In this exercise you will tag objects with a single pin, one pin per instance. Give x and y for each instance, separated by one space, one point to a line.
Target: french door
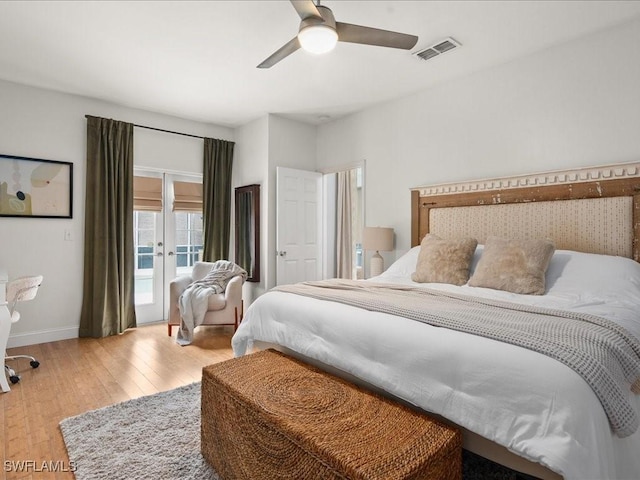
167 237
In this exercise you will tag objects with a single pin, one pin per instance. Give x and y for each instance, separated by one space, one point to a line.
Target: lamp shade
377 238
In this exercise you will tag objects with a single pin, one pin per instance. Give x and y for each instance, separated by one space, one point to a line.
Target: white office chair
20 290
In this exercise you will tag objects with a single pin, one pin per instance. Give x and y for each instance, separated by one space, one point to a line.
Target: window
188 240
144 228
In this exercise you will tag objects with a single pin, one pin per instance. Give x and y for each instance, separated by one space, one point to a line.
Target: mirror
247 253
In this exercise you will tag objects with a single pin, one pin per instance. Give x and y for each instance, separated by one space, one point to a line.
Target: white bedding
533 405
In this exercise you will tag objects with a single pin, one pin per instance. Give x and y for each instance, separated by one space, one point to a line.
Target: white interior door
299 225
167 243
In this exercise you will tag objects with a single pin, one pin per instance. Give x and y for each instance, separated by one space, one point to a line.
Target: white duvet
535 406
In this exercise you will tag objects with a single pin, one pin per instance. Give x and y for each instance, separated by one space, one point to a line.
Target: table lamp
378 239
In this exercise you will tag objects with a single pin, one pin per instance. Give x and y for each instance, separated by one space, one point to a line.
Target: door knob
159 244
170 254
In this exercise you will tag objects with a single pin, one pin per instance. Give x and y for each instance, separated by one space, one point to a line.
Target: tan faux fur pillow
444 261
516 266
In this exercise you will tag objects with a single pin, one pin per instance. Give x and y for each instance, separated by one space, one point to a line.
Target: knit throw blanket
194 301
605 354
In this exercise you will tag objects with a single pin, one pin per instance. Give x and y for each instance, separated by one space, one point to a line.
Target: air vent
439 48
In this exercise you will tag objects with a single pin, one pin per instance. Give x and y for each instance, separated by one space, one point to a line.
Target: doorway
344 222
319 222
167 237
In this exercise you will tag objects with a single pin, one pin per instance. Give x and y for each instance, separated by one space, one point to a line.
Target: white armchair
224 308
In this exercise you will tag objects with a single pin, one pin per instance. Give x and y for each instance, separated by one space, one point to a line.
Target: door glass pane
188 240
144 255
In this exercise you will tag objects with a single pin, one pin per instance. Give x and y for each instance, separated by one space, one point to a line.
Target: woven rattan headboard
594 210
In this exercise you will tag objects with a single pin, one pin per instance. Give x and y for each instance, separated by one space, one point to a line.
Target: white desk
5 326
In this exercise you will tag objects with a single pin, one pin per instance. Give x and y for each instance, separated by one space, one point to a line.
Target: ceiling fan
319 32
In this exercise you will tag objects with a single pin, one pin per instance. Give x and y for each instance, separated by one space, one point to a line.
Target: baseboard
42 336
52 335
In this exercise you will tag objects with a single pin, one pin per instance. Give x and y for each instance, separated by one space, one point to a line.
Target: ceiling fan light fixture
318 33
318 39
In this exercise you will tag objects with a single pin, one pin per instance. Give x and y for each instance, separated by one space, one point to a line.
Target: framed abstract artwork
32 187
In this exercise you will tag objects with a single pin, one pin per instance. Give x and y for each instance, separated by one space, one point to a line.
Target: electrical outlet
67 235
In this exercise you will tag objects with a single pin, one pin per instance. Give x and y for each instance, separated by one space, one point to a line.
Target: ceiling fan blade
306 8
283 52
374 36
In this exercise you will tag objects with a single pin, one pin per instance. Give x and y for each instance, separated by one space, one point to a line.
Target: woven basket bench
268 416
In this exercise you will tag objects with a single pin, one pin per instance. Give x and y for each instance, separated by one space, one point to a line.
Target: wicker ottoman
267 416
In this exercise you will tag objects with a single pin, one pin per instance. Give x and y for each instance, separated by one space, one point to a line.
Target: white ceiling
197 60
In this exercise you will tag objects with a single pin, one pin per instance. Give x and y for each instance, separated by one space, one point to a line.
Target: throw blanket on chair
194 301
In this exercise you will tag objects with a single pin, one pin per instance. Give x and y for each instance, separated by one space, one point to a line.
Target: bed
519 407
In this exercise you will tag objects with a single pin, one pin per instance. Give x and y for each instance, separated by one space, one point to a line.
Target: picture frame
35 188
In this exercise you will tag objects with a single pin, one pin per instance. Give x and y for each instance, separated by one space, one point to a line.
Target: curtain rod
162 130
168 131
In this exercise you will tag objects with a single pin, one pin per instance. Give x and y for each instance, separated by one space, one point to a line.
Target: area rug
158 437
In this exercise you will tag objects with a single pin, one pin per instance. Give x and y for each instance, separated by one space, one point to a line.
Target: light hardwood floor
79 375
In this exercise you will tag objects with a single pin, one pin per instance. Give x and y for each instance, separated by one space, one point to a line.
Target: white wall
262 145
251 165
44 124
574 105
292 144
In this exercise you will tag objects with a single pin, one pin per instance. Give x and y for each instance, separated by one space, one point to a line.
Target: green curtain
108 288
216 191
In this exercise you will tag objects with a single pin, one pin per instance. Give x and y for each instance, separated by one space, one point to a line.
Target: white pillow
590 272
405 265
